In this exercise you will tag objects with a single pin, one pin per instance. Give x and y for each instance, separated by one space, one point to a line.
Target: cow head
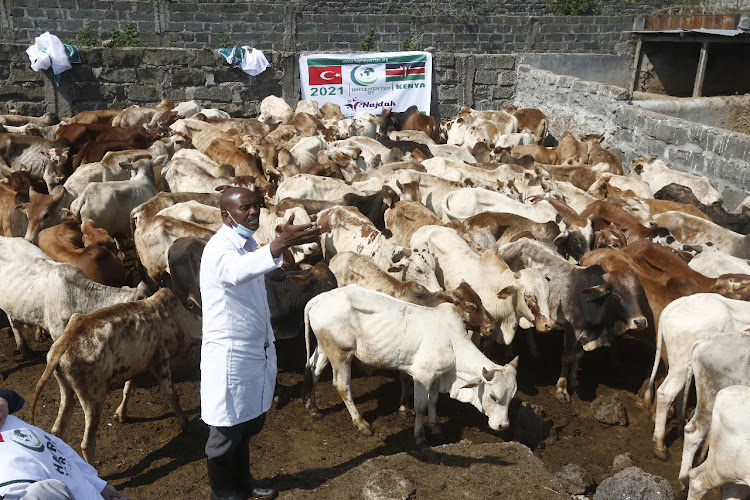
469 306
419 266
43 211
610 237
54 170
533 293
93 235
733 286
495 389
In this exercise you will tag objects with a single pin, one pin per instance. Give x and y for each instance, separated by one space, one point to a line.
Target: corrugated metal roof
699 31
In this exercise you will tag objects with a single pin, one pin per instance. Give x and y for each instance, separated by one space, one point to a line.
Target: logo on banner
27 439
364 75
400 72
324 75
353 104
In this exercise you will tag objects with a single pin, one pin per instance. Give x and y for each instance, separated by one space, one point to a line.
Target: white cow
190 171
682 322
35 290
508 297
430 344
346 229
109 203
657 175
728 461
715 263
716 363
314 187
694 231
466 202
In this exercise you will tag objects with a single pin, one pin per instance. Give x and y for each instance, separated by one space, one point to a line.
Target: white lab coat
29 454
238 357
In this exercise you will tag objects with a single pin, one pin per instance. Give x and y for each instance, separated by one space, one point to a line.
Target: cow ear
22 207
299 278
473 383
396 269
514 363
68 214
506 292
596 292
320 270
487 375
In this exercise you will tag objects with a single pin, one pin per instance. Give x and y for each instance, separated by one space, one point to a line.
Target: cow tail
307 381
688 383
648 395
59 348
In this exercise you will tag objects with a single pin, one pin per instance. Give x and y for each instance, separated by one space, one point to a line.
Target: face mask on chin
240 229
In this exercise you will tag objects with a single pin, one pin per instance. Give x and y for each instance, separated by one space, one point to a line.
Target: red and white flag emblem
324 75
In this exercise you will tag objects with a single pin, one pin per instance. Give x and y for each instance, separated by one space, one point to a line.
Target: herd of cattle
439 237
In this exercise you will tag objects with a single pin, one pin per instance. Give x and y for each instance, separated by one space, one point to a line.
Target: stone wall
587 107
291 27
116 78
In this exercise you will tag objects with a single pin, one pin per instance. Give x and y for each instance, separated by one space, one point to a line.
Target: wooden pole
701 73
636 69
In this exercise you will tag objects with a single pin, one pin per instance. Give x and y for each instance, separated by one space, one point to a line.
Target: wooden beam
700 74
636 69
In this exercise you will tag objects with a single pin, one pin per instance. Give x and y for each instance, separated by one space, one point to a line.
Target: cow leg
315 366
572 352
432 399
26 351
121 412
161 371
39 334
668 391
531 343
695 433
342 380
404 399
420 406
702 479
92 411
67 405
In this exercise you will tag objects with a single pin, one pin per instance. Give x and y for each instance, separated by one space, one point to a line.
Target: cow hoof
121 419
563 397
437 435
422 444
662 454
366 430
28 353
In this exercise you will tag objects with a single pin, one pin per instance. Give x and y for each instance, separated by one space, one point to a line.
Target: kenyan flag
400 72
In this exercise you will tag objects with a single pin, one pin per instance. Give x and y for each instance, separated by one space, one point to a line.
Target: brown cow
104 349
532 119
43 211
603 159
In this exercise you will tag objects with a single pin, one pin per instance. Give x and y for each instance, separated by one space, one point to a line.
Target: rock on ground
462 470
622 462
574 479
634 484
609 410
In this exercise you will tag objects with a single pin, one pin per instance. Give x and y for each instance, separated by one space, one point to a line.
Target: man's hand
110 493
3 411
292 235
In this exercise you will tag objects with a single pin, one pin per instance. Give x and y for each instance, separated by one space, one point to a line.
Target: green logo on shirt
27 439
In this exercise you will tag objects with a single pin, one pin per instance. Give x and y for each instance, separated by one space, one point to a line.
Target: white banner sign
368 81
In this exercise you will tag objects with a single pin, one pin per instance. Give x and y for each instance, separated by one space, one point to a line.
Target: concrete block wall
116 78
584 107
319 26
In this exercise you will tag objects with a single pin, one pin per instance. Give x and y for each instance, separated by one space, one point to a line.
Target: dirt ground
149 458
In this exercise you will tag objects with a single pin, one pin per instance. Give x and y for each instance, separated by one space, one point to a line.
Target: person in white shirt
238 357
35 465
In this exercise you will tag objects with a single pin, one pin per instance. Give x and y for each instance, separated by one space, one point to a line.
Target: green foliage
129 38
368 42
451 48
86 37
573 7
407 44
224 41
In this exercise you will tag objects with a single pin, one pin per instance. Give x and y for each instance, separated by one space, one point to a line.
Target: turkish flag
324 75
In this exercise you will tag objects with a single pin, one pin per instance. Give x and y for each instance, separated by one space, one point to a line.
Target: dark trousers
224 442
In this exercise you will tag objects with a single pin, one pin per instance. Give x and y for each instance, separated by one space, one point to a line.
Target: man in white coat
238 357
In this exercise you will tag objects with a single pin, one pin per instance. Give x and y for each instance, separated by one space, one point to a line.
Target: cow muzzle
638 323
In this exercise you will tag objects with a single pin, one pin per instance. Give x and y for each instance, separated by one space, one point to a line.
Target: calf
46 160
104 349
403 219
44 210
64 243
184 260
658 175
684 321
290 291
532 119
602 160
374 206
727 464
430 344
716 363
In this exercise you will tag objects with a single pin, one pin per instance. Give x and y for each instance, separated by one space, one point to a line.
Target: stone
388 484
609 410
622 462
634 484
574 479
